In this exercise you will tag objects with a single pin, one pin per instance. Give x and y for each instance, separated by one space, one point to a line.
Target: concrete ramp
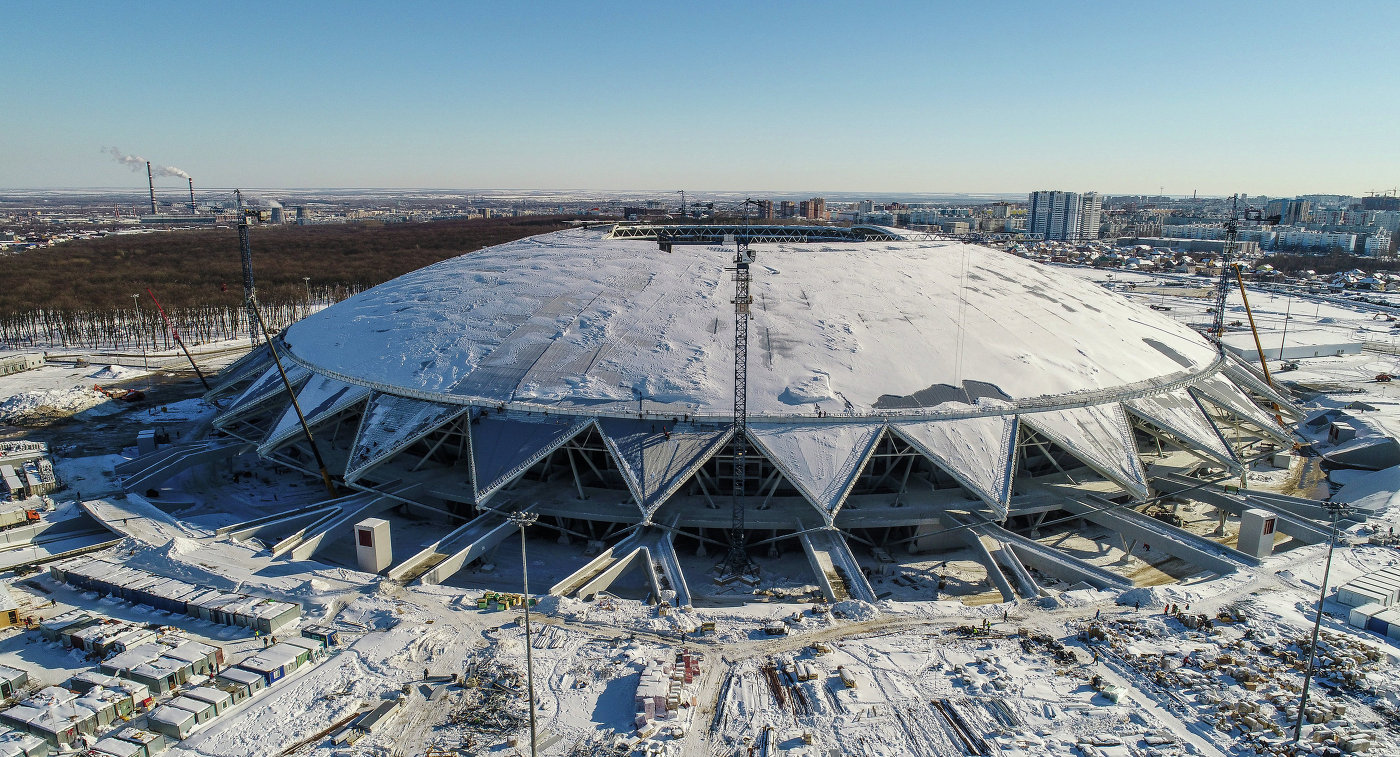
1162 537
838 572
149 471
603 570
260 528
479 536
353 509
1289 522
1053 562
663 553
982 548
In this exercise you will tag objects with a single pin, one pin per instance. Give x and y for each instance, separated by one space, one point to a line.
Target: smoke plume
136 163
170 171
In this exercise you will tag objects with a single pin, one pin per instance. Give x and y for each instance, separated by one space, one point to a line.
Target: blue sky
1272 98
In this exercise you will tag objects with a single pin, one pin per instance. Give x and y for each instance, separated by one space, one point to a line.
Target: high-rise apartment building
814 208
1296 212
787 209
1090 215
1065 216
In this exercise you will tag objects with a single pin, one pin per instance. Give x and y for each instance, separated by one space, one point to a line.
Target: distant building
814 209
1305 239
1380 202
1065 216
1090 214
787 209
1296 212
765 210
1379 243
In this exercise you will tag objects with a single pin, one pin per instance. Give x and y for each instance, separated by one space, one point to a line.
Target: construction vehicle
17 517
125 395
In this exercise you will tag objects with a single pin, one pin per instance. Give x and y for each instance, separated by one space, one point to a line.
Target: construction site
630 489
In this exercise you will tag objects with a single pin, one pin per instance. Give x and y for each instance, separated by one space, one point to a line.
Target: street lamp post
1335 508
523 519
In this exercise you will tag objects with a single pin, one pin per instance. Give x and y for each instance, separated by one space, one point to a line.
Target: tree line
79 294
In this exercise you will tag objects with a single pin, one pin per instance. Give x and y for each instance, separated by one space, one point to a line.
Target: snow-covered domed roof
581 322
955 350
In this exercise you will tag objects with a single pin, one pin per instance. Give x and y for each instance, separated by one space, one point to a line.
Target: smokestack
150 177
192 205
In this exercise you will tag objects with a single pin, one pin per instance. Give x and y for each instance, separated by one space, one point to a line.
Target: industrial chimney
192 205
152 180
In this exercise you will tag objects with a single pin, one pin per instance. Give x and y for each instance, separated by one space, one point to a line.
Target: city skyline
917 98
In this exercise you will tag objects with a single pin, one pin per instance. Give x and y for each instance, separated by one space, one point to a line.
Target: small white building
1295 345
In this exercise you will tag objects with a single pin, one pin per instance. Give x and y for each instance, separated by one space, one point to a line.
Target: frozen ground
928 680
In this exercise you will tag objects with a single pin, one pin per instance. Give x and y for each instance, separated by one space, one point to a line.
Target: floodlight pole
523 519
1336 511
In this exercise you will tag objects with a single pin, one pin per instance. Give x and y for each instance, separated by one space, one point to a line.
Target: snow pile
44 403
814 388
372 613
856 610
1158 596
117 373
1374 491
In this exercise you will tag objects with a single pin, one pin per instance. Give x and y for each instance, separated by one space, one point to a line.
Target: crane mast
1222 287
245 250
737 561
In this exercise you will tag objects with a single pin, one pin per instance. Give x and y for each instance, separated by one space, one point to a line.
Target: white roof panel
821 460
1178 413
391 423
319 399
1220 391
656 457
1099 436
504 446
976 451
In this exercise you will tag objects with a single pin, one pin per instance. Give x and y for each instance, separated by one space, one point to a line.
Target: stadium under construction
905 394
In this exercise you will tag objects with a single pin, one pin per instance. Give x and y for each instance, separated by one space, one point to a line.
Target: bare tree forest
78 295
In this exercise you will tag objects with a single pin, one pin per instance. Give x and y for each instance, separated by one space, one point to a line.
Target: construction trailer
105 577
20 744
109 705
53 715
1381 587
28 361
275 662
12 680
219 699
329 636
249 682
174 722
151 742
114 747
149 665
88 680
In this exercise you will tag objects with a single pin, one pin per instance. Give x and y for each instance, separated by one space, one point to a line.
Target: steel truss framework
771 234
586 465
